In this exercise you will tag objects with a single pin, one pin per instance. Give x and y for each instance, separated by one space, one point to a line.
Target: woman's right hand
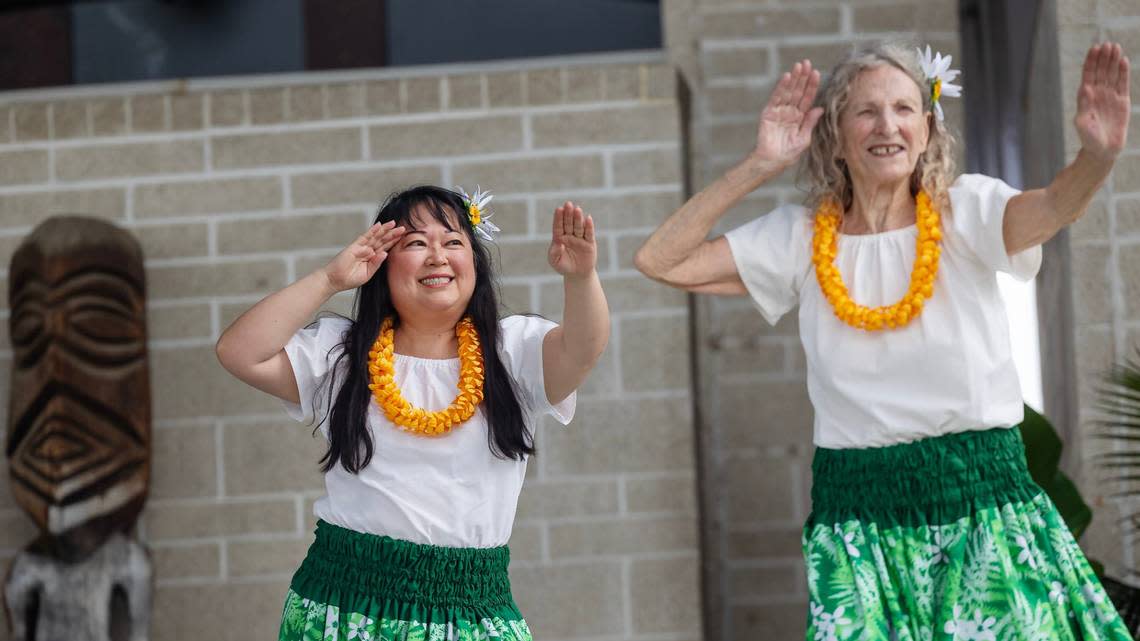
788 118
357 263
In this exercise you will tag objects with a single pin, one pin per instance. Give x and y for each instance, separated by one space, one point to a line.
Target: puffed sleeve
312 352
773 256
520 349
978 211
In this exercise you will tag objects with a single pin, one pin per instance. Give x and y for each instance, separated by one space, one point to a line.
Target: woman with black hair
429 402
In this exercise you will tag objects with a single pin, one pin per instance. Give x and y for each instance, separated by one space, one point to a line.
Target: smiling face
883 128
431 270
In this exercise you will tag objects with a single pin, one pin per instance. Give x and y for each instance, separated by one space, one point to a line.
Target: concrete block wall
1105 271
755 419
236 187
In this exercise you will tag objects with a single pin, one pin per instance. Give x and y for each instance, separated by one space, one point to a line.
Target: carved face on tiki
79 417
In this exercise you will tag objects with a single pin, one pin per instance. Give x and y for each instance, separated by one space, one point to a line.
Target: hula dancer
429 402
925 523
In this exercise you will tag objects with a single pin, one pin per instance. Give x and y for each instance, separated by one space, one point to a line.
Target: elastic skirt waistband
931 481
342 561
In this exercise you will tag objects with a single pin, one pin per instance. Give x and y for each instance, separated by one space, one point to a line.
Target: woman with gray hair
925 523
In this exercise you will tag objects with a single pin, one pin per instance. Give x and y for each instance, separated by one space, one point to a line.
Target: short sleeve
978 212
521 351
772 256
311 354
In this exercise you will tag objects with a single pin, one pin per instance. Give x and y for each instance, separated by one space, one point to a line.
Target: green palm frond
1119 404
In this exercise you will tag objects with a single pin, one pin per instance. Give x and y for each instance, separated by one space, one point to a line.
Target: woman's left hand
1103 102
573 247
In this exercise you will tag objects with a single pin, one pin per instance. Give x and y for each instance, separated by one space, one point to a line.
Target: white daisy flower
936 68
1026 555
966 628
478 213
1092 594
358 625
1100 605
956 624
826 623
1057 592
937 549
332 625
983 628
848 541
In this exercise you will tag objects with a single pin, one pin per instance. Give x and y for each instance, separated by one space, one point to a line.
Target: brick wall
236 187
755 417
1105 269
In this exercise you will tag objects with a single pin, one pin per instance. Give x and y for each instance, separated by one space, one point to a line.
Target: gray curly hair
827 176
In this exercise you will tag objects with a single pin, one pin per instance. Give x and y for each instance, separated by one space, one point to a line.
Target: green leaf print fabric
353 586
308 620
945 539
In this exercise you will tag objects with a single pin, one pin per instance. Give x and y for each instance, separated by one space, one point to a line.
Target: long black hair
350 443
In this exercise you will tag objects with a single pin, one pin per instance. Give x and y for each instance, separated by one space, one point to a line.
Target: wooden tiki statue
79 416
79 433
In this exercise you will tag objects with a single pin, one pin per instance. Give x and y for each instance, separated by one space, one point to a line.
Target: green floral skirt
362 587
945 539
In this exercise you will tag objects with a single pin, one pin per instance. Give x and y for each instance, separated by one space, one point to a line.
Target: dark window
48 43
431 31
121 41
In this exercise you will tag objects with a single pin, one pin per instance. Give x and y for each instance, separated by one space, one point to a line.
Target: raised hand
1103 102
788 118
355 264
573 247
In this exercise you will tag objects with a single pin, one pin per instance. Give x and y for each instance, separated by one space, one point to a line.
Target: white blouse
949 370
449 491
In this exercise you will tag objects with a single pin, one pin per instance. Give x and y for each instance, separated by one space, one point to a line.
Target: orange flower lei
825 246
413 419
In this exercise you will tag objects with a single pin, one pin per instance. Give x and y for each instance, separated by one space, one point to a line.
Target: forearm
1073 188
1035 216
683 232
585 320
263 330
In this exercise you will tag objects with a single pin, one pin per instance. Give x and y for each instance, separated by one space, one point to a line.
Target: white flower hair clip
938 73
478 213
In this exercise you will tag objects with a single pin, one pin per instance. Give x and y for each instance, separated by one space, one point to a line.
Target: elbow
653 271
221 350
643 262
224 350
